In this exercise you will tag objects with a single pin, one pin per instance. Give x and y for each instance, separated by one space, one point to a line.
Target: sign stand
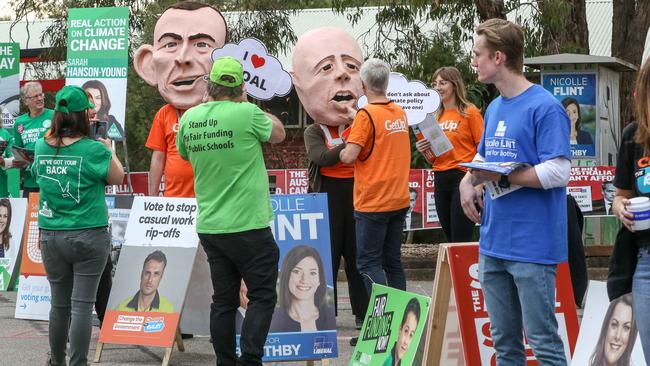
168 350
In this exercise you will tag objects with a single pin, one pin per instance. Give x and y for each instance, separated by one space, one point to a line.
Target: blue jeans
641 299
379 239
74 261
521 294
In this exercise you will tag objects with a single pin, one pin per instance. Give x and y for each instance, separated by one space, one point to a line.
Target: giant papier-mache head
183 40
326 64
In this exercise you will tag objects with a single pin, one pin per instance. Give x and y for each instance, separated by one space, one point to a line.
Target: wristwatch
503 182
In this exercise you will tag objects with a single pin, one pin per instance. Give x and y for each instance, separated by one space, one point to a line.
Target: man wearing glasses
31 126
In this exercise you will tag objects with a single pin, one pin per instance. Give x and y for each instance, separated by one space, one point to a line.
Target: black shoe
187 335
353 341
358 321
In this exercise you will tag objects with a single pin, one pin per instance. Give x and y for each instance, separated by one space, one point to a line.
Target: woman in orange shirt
463 124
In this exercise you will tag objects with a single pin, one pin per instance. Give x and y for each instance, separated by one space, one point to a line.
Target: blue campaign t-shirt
529 224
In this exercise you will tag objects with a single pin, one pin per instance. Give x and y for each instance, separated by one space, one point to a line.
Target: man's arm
350 153
156 171
277 133
549 174
317 151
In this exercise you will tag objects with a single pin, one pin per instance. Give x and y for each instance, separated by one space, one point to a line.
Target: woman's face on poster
406 333
304 279
572 111
618 333
4 216
97 97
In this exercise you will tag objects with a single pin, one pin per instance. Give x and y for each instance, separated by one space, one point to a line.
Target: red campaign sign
277 181
431 214
139 183
297 181
423 214
588 185
473 317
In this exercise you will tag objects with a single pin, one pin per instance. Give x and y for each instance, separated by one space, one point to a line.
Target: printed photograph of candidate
304 301
151 279
413 218
12 222
407 328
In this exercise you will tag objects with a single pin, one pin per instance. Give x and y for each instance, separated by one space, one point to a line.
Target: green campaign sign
392 329
98 42
9 83
97 61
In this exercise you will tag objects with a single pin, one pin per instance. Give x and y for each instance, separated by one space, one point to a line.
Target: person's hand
351 113
106 142
471 199
481 176
423 145
622 213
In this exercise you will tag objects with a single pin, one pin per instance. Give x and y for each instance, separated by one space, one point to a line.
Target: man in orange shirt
183 40
379 146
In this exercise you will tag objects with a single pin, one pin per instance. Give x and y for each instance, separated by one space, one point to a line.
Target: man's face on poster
181 54
326 64
609 191
152 274
413 196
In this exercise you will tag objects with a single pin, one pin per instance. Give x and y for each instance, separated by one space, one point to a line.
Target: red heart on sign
257 61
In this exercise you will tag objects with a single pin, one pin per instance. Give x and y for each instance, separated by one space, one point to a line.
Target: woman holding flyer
631 185
71 171
463 125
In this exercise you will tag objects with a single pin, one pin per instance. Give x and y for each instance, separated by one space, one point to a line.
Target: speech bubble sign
264 75
413 96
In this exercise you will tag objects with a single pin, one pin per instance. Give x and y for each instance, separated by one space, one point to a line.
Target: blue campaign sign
304 323
577 91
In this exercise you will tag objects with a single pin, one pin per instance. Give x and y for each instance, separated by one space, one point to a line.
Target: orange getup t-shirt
464 133
179 176
381 172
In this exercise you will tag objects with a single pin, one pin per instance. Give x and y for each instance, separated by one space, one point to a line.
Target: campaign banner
139 183
301 230
12 224
593 188
297 181
392 328
33 300
608 331
422 212
9 83
277 181
473 317
119 211
153 272
32 263
578 92
97 61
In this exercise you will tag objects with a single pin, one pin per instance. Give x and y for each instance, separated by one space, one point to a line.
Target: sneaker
353 341
358 321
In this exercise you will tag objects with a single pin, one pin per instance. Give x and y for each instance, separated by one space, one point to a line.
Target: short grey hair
216 91
375 74
29 86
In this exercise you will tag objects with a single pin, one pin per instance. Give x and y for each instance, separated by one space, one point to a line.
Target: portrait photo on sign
109 98
12 223
151 279
608 332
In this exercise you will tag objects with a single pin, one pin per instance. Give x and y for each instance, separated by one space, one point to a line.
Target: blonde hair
506 37
642 107
452 75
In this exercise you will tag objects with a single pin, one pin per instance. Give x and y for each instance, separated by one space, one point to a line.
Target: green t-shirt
27 131
222 140
72 180
5 135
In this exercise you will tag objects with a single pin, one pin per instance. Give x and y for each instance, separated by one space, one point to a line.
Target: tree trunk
631 20
570 34
488 9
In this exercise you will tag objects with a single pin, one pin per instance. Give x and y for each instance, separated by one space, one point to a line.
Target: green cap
72 98
229 66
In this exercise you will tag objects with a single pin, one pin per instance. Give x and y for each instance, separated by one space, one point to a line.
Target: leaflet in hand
21 154
503 168
430 129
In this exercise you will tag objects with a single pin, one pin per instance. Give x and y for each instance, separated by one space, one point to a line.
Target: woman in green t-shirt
71 171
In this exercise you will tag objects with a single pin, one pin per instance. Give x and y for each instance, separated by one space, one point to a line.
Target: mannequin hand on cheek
351 113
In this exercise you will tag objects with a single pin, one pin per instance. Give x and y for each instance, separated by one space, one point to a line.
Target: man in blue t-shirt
523 226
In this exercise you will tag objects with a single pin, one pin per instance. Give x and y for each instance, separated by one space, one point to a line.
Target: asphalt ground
25 342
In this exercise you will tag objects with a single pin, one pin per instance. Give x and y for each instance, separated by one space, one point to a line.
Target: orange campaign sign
143 328
32 262
477 342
